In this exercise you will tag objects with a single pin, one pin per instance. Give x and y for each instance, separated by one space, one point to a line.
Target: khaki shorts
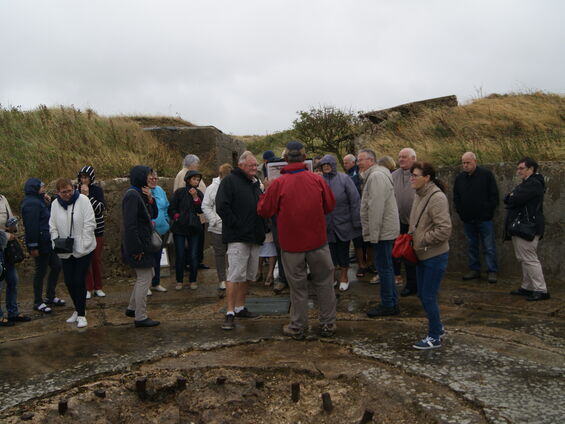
243 262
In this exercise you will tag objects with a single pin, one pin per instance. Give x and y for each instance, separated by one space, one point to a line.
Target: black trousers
42 262
74 271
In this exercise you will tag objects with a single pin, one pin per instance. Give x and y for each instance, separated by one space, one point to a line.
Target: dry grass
497 128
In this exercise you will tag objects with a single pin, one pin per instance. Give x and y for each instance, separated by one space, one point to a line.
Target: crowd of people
303 221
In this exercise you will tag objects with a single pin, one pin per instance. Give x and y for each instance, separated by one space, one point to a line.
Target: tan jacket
379 212
434 229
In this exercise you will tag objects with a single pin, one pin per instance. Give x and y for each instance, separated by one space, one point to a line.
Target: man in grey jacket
379 220
404 194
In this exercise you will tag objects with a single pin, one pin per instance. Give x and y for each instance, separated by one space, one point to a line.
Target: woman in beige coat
430 225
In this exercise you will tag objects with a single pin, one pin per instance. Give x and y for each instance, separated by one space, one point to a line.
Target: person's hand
266 183
84 189
47 198
193 193
138 256
11 236
34 253
147 191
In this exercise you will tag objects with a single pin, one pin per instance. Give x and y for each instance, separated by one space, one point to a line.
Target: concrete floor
503 359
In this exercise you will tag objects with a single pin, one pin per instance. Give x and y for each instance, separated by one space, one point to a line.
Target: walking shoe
178 286
193 285
295 334
149 292
245 313
5 322
159 288
203 266
19 318
81 322
383 311
229 323
407 292
327 330
491 277
521 292
427 343
88 294
471 275
222 285
130 313
56 301
73 318
147 322
42 308
344 286
537 296
279 287
442 333
375 280
99 293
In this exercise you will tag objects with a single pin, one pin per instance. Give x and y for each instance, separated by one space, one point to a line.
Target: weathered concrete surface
551 249
503 359
408 109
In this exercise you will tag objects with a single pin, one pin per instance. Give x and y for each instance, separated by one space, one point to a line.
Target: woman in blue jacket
161 224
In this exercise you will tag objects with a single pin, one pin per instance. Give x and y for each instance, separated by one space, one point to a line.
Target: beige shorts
243 261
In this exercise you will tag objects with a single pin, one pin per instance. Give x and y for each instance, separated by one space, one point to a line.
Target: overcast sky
247 66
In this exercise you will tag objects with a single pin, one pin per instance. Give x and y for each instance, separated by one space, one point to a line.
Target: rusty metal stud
295 392
367 416
259 384
27 416
141 387
327 402
181 382
63 406
220 380
100 393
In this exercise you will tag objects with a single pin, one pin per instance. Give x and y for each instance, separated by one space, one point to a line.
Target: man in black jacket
243 231
475 195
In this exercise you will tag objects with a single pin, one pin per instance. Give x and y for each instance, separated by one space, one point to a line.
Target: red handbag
403 249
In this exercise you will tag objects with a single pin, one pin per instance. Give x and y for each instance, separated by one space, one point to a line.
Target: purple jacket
344 222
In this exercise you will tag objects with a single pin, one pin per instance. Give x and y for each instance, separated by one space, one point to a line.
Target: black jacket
236 203
137 214
96 197
353 172
528 195
36 214
475 195
183 204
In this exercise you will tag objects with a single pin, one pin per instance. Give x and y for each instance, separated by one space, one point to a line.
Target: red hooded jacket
300 199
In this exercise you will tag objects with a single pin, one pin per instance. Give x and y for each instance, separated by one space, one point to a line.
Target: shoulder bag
13 253
156 240
65 245
523 225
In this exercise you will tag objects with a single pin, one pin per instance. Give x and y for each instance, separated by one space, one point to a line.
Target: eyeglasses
153 178
415 175
521 168
66 191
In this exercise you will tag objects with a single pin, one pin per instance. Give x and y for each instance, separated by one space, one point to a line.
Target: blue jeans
429 273
192 252
382 257
485 231
11 291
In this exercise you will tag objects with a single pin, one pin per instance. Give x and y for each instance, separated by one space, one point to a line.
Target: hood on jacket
538 177
329 160
88 170
191 174
32 186
138 175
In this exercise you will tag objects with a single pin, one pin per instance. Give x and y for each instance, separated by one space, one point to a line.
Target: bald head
469 161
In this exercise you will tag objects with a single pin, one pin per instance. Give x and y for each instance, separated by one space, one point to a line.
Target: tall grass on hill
50 143
497 128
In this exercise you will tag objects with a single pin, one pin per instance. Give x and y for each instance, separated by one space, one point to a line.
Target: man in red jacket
301 199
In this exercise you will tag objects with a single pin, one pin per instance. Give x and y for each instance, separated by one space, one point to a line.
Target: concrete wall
551 249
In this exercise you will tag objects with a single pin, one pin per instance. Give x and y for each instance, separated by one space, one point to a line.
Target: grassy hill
50 143
498 128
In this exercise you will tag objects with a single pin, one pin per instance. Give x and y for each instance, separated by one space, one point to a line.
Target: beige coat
434 229
379 212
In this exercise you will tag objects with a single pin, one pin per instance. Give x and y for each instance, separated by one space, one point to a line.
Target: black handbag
523 226
65 245
13 253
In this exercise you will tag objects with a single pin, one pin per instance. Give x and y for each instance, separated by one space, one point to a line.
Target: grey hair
244 156
473 156
190 160
350 157
410 151
387 162
369 153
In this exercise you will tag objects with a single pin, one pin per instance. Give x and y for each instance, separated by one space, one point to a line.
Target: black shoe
147 322
471 275
383 311
245 313
19 318
522 292
537 296
229 323
491 277
407 292
130 313
203 266
327 330
4 322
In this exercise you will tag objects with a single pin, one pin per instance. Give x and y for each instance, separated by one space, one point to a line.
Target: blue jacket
162 220
36 214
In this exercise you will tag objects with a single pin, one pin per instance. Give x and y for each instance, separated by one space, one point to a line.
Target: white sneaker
88 294
160 288
178 286
149 292
81 322
193 286
344 286
222 285
336 283
99 293
73 318
375 280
